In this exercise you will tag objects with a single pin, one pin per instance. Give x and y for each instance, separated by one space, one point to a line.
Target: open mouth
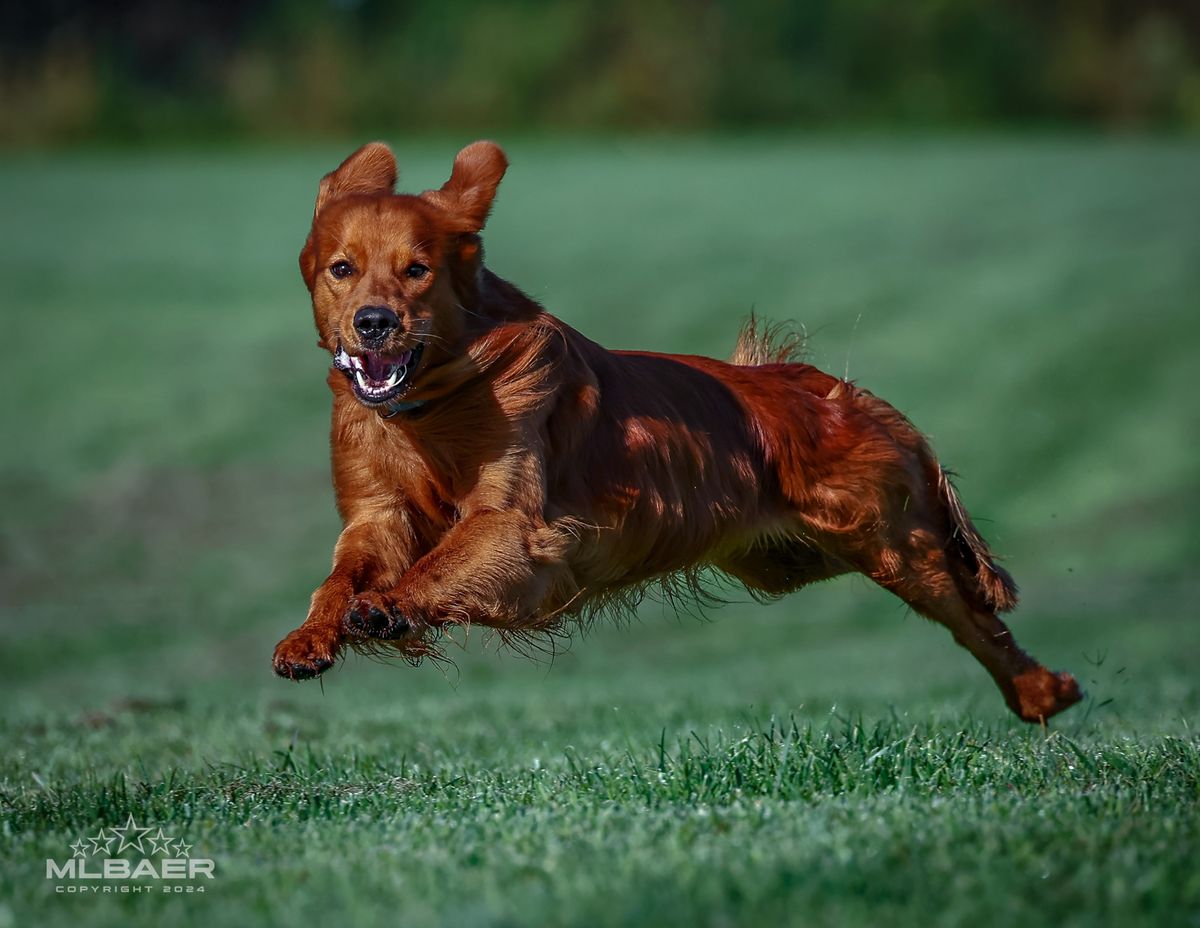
377 378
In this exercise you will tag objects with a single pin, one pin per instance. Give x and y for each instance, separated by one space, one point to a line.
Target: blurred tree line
75 70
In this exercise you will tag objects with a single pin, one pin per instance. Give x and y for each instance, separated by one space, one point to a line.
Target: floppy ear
371 169
469 192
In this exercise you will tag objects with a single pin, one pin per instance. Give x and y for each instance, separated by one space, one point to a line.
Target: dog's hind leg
918 574
889 509
916 555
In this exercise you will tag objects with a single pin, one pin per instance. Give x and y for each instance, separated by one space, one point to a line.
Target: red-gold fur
542 476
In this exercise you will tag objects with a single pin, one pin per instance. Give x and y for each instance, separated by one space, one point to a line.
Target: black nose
375 323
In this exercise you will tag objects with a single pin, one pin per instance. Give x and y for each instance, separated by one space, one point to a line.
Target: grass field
827 760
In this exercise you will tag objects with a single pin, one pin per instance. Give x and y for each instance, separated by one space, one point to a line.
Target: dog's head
392 276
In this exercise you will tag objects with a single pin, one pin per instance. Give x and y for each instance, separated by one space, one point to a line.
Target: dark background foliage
75 70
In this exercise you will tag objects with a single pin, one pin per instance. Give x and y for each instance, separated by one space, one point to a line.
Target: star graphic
182 849
158 842
99 842
80 848
131 835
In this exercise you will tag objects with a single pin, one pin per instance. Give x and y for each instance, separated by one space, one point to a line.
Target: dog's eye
341 269
416 271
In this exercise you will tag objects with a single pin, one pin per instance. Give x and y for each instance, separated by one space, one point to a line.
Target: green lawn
826 760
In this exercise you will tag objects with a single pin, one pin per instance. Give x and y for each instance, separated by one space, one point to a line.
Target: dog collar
395 407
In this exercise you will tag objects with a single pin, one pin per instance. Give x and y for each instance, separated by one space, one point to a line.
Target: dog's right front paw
305 653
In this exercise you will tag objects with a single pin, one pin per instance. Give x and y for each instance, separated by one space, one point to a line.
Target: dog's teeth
369 386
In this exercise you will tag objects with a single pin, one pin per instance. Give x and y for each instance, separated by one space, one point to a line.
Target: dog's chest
421 482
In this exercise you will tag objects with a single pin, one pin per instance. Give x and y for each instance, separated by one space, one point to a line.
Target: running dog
493 466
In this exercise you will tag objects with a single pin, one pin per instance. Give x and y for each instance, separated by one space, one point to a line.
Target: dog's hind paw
1042 693
305 653
372 615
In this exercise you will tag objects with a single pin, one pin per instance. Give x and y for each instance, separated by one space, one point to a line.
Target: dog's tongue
378 367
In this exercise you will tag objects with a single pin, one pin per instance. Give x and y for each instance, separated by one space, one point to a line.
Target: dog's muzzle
378 378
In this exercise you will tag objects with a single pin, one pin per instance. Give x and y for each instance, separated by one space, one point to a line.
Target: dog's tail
768 343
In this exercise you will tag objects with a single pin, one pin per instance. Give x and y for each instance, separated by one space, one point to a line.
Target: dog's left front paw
373 615
306 653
